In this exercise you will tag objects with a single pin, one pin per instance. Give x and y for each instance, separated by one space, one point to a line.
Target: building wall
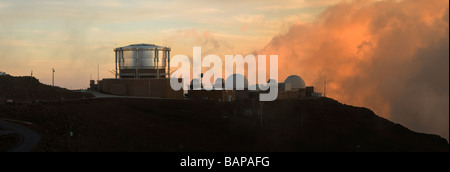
288 94
309 91
216 95
302 92
213 95
92 85
295 93
144 73
140 87
242 94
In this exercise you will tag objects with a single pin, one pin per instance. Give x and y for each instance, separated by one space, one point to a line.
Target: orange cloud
390 56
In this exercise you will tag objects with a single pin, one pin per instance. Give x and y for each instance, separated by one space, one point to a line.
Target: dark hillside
28 89
134 124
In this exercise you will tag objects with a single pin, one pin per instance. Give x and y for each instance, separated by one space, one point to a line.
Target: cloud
184 39
390 56
295 4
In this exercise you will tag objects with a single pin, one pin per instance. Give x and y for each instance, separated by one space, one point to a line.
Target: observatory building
293 82
142 70
294 87
239 90
142 61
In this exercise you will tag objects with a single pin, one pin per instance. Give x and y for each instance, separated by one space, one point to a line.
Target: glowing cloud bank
390 56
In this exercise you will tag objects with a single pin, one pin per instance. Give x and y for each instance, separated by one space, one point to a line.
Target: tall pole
98 77
120 62
325 87
157 61
115 52
53 77
168 63
137 63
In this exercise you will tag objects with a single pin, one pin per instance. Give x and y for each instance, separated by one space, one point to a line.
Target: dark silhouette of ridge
29 89
113 124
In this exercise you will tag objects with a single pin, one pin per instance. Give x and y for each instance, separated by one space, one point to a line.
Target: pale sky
73 36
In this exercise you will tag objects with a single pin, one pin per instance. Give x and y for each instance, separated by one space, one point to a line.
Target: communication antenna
53 77
31 73
325 87
98 76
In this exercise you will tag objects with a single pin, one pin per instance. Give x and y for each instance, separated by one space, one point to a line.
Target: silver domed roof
141 46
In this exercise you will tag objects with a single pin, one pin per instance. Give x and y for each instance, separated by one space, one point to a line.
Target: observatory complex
293 87
143 70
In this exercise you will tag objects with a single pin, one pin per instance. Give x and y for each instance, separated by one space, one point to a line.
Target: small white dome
195 83
218 84
295 81
237 80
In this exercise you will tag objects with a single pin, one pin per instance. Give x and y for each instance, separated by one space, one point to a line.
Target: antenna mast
53 77
325 87
98 76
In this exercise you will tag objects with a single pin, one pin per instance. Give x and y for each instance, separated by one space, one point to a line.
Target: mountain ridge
132 124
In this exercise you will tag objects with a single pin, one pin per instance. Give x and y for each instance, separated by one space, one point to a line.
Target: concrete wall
242 94
288 94
143 73
309 91
140 87
296 93
213 95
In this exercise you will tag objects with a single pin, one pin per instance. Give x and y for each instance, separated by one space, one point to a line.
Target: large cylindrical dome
142 60
143 56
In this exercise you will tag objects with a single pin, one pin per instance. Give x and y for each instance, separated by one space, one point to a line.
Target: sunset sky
389 56
73 36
